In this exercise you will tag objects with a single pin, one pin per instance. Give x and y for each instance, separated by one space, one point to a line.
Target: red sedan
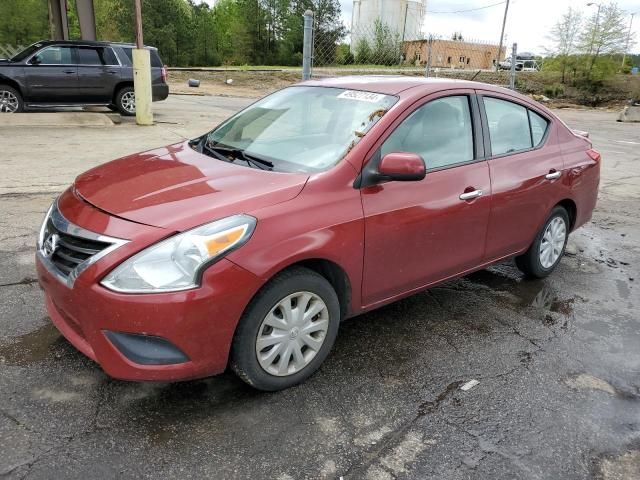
248 246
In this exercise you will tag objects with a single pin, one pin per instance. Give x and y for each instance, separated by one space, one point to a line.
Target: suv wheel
126 101
547 249
286 331
10 100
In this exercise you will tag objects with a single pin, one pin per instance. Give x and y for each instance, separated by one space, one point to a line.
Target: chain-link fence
8 51
379 48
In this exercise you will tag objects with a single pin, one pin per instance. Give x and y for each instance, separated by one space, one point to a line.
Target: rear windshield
155 58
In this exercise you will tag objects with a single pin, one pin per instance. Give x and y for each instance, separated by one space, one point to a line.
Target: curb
58 119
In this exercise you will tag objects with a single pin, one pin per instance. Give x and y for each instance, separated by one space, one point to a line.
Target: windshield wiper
250 158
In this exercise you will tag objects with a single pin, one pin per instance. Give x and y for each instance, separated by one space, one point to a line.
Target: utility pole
141 73
626 48
504 23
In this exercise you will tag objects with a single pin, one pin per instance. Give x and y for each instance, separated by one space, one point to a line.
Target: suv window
55 56
96 56
155 58
439 131
508 126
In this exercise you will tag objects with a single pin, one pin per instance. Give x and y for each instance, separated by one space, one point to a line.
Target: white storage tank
403 17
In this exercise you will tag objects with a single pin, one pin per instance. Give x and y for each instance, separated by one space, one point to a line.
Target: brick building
456 54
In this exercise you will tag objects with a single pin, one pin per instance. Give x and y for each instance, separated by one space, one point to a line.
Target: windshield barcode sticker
361 96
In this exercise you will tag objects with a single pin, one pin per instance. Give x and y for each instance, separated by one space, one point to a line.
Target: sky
528 21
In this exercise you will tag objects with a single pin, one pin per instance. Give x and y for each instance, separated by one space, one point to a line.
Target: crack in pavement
24 281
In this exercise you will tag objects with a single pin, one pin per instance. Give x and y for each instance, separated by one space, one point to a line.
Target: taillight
163 74
594 155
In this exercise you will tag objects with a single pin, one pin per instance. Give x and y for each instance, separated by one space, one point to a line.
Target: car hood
178 188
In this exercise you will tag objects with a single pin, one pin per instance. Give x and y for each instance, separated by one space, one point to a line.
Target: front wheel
125 101
287 331
548 247
10 100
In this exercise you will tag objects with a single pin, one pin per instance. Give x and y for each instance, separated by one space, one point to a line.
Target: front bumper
200 323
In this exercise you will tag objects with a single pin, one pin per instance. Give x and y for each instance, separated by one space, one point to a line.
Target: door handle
470 195
113 72
69 71
552 175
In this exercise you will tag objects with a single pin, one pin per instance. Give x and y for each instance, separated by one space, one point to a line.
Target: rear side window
155 58
96 56
439 131
508 126
539 127
129 53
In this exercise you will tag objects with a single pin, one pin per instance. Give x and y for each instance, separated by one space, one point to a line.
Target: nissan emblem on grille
50 245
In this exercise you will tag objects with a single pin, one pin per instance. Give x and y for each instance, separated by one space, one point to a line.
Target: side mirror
402 167
36 60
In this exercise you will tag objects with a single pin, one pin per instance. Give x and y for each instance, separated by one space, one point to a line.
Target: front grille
71 251
66 250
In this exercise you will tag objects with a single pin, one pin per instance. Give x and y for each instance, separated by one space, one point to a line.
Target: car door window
508 126
55 56
539 126
89 56
440 132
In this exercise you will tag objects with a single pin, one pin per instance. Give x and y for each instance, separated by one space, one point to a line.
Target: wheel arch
335 274
11 83
119 86
572 210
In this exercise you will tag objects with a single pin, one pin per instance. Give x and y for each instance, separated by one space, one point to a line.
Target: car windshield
18 57
301 129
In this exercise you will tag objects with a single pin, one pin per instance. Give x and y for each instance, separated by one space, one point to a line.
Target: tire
10 100
266 369
534 263
123 101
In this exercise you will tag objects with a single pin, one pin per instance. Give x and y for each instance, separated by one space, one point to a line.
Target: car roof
92 43
394 84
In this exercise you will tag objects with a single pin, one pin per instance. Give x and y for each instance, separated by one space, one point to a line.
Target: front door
52 75
418 233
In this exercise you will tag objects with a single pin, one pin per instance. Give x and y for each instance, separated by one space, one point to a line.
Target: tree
605 32
564 36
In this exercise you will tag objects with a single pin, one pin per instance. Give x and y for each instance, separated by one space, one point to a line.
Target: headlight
176 263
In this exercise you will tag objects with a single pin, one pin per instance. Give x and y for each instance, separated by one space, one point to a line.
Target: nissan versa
247 247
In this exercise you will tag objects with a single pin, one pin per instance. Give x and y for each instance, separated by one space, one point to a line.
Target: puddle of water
30 348
529 293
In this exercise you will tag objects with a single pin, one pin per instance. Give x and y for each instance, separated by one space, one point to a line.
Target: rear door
52 75
526 169
418 233
98 73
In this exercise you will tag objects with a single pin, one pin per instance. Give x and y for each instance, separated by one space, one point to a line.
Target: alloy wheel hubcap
8 102
129 102
552 242
292 334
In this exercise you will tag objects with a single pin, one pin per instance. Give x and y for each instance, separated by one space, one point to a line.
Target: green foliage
363 52
191 33
554 91
344 55
23 22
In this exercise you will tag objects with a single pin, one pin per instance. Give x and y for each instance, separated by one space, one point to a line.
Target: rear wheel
10 100
287 331
547 249
125 101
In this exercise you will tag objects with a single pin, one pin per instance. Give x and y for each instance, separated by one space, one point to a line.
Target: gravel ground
558 360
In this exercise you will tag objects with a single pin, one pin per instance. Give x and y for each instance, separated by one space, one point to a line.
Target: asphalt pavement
557 360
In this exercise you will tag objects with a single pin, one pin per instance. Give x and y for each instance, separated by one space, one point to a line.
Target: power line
469 9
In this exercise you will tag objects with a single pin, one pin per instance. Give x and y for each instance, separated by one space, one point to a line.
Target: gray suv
72 73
